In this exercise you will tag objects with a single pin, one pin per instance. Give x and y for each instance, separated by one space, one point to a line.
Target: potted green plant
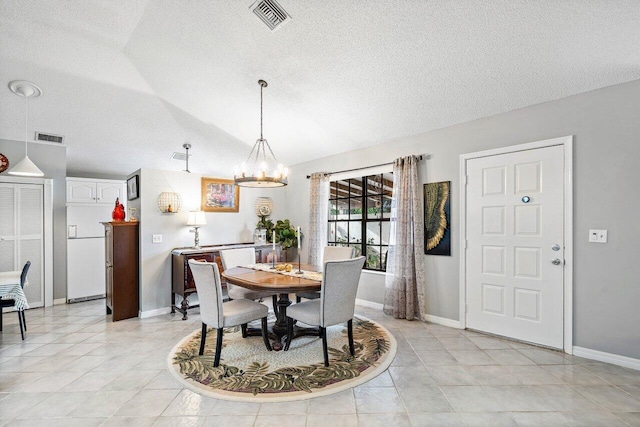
266 224
286 234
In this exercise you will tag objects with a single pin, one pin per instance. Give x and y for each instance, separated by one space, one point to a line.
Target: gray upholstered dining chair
330 253
336 303
219 315
11 302
239 257
337 253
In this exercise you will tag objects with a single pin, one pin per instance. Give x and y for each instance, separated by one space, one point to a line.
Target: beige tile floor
76 368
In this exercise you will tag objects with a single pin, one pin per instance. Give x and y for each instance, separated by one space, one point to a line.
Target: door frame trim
567 143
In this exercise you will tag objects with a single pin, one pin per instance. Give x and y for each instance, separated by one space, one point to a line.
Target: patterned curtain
318 216
405 279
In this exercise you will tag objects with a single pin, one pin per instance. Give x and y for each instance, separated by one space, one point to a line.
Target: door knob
556 261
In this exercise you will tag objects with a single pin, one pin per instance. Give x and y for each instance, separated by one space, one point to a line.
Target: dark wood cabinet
182 280
122 271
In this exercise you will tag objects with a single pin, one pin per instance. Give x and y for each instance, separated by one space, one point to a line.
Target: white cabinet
108 192
81 192
87 191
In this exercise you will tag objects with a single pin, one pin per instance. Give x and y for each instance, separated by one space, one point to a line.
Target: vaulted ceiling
127 82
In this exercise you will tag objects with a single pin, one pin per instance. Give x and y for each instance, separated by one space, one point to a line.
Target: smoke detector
271 13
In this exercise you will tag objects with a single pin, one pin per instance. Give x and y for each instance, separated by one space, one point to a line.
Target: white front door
515 245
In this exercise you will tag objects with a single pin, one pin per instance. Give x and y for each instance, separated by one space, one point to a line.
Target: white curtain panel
405 279
318 216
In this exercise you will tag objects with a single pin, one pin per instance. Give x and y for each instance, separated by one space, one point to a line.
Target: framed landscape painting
220 195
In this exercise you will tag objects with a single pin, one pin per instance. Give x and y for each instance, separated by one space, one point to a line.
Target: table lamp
196 219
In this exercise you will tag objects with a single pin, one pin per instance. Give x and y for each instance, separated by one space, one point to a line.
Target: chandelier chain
270 150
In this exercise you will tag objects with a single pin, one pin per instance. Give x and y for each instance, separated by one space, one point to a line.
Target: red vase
118 213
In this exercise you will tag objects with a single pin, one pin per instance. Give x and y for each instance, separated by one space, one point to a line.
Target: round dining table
271 280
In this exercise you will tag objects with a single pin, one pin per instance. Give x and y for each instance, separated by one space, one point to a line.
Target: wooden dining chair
336 303
11 302
219 315
237 258
330 253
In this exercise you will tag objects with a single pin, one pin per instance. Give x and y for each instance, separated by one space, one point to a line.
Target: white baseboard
442 321
59 301
601 356
153 313
427 317
369 304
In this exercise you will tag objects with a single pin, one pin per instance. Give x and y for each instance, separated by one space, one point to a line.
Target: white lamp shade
196 218
25 167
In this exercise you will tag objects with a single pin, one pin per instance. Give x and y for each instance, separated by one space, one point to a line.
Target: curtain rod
369 167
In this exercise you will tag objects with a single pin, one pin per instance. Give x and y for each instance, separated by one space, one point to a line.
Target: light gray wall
606 125
52 160
222 227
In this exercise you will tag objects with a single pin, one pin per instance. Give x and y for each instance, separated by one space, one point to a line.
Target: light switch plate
157 238
598 236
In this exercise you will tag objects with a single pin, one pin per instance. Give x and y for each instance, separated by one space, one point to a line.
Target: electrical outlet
157 238
598 236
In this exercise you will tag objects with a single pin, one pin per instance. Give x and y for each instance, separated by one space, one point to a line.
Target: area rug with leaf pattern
248 372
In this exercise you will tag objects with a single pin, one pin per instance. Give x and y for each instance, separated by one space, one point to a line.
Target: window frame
358 191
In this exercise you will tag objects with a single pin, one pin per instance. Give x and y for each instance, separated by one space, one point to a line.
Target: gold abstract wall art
437 218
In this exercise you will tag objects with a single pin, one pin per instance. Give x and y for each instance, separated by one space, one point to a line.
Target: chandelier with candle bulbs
261 169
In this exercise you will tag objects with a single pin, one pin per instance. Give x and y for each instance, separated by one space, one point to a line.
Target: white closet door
7 227
21 235
30 239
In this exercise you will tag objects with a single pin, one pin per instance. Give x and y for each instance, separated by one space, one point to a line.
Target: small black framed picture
132 188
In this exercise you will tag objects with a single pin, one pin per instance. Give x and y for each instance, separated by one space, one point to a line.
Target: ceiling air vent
40 136
271 13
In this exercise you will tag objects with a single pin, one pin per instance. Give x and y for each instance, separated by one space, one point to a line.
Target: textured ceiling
133 80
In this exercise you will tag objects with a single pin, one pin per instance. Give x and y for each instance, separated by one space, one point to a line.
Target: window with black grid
359 213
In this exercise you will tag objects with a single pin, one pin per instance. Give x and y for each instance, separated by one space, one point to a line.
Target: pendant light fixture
266 171
25 167
186 146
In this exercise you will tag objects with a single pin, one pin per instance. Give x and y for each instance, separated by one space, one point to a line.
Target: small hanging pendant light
186 146
25 167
